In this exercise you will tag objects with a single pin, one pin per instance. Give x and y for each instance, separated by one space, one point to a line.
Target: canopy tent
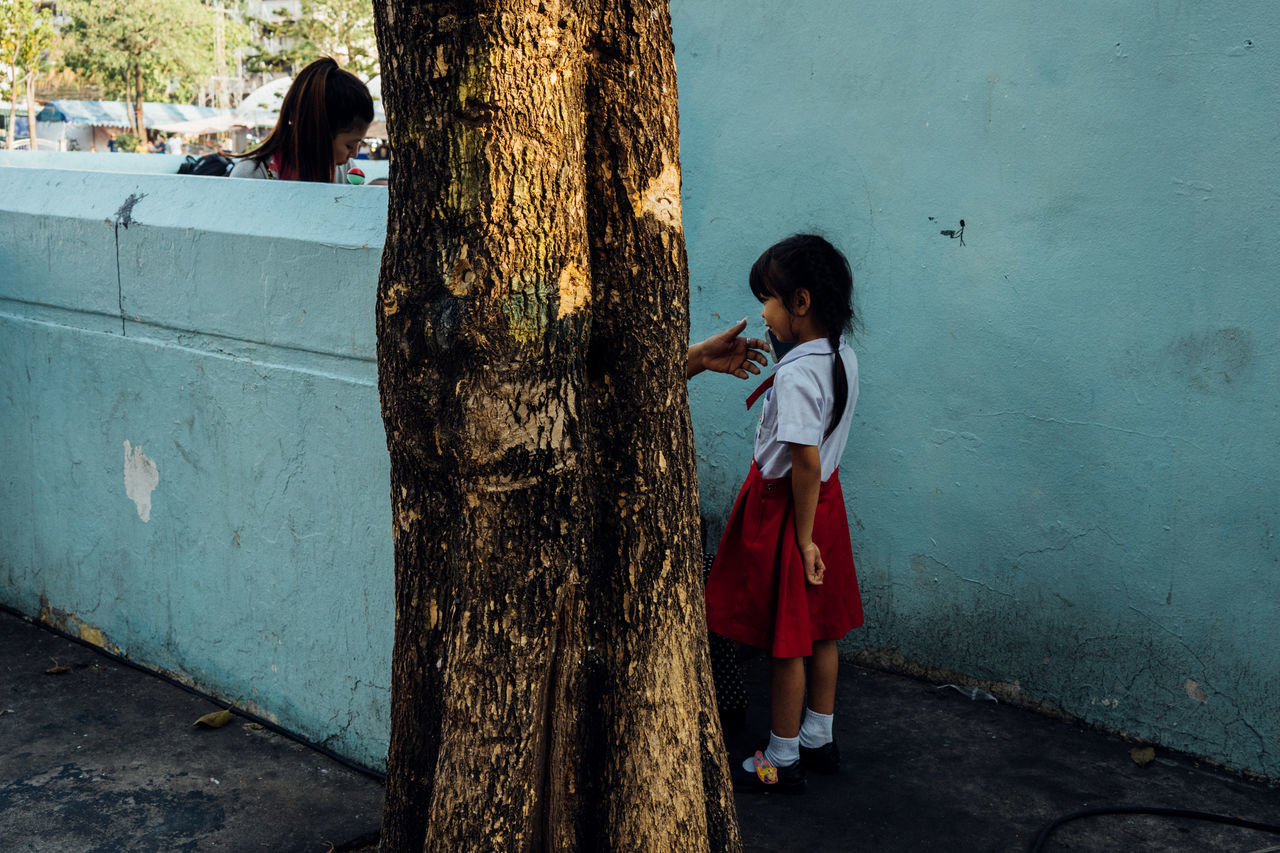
116 113
261 107
213 124
379 127
375 89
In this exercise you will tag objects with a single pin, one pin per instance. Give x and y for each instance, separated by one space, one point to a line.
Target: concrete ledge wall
194 470
1063 472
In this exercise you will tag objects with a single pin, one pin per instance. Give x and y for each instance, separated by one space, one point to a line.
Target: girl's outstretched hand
814 568
727 353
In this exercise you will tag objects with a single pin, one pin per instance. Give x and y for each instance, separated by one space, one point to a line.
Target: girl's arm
806 479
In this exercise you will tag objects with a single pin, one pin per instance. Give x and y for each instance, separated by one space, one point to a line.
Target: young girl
783 578
323 120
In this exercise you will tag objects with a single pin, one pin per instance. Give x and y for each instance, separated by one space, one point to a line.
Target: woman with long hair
323 119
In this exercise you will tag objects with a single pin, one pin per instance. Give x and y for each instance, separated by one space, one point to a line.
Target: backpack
210 164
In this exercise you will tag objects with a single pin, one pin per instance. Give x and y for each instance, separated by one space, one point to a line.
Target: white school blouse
261 169
797 409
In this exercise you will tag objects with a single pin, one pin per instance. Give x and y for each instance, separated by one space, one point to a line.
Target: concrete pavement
102 758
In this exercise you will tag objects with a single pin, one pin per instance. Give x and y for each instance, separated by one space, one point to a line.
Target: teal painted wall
1062 474
193 468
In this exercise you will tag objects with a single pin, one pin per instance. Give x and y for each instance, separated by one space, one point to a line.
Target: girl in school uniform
783 578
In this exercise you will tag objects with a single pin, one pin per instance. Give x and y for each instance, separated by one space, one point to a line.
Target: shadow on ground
104 758
927 768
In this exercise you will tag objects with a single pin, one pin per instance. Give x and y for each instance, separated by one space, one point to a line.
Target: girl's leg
824 666
787 696
783 752
817 740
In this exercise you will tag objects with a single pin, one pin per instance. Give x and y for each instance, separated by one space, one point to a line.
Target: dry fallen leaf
57 670
1142 756
216 720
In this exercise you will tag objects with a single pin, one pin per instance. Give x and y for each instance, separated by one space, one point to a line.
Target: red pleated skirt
757 593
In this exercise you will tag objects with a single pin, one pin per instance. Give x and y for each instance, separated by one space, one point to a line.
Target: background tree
140 50
551 687
342 29
25 37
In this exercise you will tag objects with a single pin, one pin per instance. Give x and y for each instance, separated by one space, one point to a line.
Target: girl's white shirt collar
817 346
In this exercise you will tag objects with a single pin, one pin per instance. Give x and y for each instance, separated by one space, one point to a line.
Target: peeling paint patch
575 290
661 197
71 624
969 440
141 476
1194 691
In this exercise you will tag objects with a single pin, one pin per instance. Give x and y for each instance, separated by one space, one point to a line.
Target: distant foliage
144 50
342 29
25 38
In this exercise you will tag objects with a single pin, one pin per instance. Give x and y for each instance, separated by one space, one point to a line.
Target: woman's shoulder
251 168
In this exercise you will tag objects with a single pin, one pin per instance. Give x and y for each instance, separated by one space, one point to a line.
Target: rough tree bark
550 684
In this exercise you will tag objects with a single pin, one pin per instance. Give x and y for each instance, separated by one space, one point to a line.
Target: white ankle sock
781 752
816 729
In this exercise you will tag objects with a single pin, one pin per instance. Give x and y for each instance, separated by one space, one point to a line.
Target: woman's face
346 145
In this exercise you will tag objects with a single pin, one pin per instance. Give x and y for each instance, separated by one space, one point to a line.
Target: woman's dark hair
322 102
809 262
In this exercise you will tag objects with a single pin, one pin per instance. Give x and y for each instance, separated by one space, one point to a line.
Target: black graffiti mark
954 234
124 216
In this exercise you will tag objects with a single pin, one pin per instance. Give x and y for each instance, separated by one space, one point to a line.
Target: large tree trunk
550 686
657 707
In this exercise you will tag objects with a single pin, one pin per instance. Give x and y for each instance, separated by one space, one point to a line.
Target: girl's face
346 145
777 317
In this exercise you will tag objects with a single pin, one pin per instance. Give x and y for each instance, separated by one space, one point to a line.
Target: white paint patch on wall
141 476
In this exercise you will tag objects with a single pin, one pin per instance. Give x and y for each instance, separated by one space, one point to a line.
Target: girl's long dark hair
810 262
322 102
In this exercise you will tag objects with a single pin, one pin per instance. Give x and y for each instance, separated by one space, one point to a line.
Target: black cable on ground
168 679
1043 835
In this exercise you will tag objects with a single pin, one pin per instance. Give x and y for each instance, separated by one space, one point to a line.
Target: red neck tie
764 386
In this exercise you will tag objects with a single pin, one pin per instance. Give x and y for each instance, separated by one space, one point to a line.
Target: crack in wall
124 216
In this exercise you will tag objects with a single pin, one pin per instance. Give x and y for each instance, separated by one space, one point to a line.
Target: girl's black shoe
823 759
